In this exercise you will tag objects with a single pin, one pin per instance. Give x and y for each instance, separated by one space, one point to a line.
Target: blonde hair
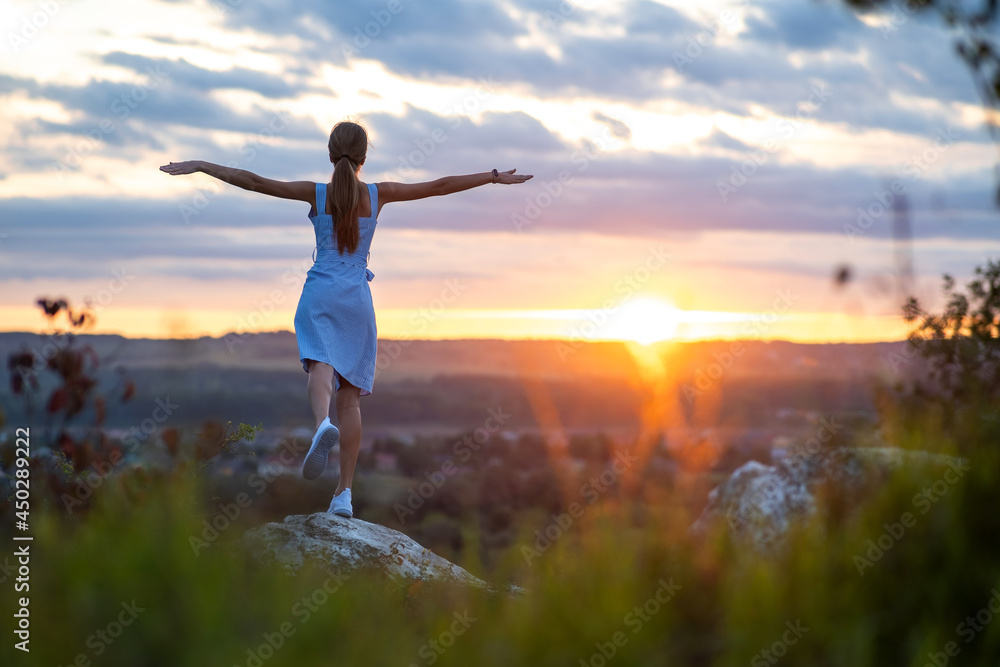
348 147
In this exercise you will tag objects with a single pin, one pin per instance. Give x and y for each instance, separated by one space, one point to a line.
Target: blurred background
741 220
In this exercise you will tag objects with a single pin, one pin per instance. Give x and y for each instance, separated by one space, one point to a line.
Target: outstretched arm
390 192
241 178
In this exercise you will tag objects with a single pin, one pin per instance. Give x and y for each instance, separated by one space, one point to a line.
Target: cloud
643 18
186 75
626 51
123 120
804 25
720 139
479 38
423 145
626 193
622 52
13 84
617 127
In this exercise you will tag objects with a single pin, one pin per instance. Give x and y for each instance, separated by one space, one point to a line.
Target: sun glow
643 320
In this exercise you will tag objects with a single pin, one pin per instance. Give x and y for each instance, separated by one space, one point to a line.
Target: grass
591 597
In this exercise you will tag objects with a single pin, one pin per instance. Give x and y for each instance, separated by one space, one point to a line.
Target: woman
335 318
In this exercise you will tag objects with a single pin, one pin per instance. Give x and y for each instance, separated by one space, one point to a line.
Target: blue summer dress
335 318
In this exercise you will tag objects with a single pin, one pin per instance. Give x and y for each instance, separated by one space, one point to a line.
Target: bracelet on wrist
495 175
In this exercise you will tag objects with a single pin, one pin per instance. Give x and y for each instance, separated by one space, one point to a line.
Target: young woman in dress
335 319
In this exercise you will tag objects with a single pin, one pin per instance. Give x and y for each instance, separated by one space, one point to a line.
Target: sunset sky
634 117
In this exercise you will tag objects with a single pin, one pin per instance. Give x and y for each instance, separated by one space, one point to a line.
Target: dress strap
373 195
320 198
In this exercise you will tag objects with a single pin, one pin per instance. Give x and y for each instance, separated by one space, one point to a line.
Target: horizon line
442 339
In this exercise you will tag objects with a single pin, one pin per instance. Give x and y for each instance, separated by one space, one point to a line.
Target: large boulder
350 545
759 503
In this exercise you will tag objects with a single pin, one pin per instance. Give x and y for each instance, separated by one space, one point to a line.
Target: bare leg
320 388
349 420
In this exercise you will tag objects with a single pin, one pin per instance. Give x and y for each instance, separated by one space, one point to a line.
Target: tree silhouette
963 343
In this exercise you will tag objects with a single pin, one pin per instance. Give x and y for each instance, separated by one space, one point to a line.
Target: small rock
760 502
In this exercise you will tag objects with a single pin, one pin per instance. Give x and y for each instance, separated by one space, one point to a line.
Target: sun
644 320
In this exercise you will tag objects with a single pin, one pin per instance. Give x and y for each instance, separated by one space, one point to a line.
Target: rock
759 503
349 545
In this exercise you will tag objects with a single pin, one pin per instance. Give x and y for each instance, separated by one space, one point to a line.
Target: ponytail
348 148
343 199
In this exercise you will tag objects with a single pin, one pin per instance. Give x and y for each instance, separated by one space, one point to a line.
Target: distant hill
452 383
422 359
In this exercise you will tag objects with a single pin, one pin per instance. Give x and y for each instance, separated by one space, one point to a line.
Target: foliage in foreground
865 588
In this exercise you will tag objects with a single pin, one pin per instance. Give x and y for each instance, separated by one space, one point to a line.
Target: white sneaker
326 438
341 505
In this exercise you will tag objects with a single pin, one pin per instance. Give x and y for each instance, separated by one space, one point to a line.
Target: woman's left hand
181 168
510 178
